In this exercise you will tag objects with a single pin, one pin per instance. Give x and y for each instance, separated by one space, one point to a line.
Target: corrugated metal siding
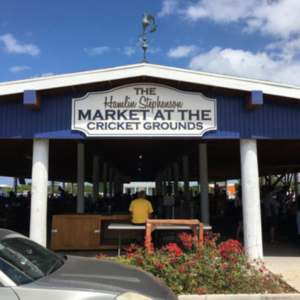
53 120
271 120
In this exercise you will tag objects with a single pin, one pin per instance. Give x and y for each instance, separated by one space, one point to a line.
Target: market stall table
121 227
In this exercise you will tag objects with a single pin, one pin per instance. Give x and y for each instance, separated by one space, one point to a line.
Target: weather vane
143 41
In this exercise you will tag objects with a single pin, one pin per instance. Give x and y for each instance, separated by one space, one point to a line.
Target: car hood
100 275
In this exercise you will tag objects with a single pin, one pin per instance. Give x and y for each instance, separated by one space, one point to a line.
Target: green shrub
217 269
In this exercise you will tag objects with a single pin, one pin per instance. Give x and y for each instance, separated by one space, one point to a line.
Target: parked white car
29 271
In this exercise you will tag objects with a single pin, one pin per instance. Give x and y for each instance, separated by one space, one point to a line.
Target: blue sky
253 38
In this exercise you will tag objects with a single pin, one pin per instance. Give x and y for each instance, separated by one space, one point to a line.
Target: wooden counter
87 231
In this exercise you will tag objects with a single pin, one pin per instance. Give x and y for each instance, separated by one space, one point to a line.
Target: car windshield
24 261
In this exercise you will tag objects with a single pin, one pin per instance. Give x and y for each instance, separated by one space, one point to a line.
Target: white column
270 179
80 178
95 178
110 181
160 186
52 187
226 188
104 180
296 177
39 186
170 180
120 183
15 189
162 183
156 185
116 182
165 182
64 185
176 179
72 189
251 199
186 178
204 183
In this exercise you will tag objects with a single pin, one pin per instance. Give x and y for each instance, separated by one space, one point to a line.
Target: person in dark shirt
62 195
271 209
239 214
298 216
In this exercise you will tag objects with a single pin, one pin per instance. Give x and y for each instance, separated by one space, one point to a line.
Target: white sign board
144 109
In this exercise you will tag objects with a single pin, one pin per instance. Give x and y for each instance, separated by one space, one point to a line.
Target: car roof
5 232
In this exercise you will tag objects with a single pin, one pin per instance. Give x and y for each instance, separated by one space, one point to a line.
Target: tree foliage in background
88 188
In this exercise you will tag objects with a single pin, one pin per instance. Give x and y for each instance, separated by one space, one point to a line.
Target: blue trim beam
32 99
254 100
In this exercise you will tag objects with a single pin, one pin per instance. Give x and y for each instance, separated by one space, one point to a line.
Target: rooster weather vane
143 41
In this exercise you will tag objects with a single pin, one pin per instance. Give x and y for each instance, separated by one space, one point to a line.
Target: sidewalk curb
241 297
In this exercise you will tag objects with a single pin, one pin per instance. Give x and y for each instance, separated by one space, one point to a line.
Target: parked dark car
29 271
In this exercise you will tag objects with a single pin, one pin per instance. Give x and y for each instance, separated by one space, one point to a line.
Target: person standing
281 197
271 209
62 195
239 214
140 210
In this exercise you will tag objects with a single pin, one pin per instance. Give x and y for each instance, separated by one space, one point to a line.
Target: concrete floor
288 267
282 258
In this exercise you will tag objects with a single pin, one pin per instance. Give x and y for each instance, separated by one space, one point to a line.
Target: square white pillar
39 190
104 180
186 178
95 178
251 199
111 182
176 175
80 178
203 173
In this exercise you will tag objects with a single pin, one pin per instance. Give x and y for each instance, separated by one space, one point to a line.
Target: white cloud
129 50
42 75
168 7
97 50
11 45
182 51
154 50
16 69
47 74
132 50
220 10
278 18
286 50
259 65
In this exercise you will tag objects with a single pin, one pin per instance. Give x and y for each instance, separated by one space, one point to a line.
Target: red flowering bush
217 269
